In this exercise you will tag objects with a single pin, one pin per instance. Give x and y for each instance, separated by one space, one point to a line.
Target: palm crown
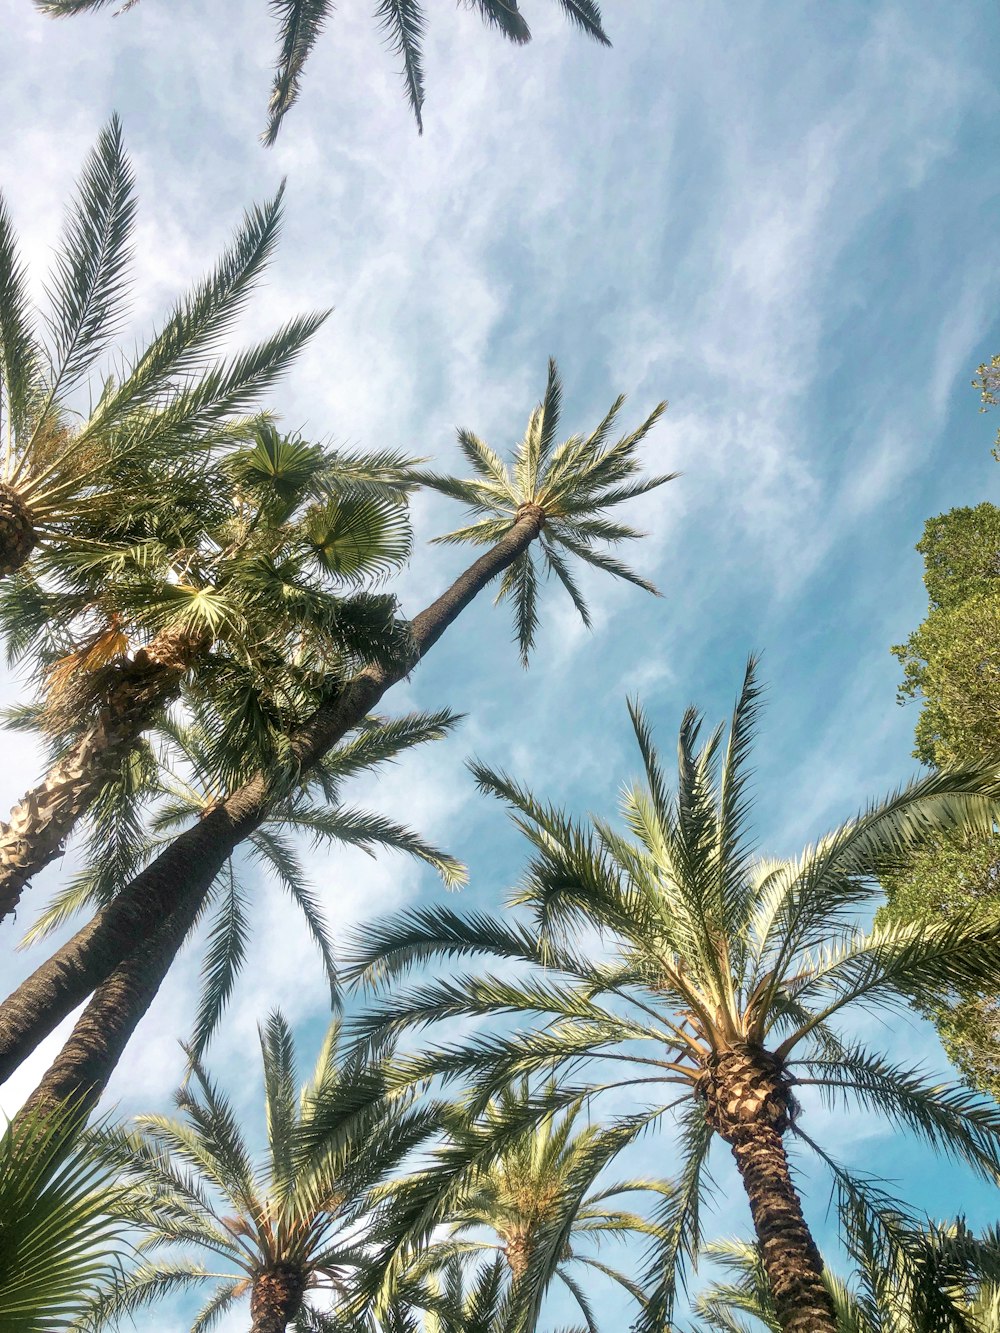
536 1190
570 486
277 1230
64 476
725 975
403 23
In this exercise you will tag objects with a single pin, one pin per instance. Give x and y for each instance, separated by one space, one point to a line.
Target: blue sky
778 215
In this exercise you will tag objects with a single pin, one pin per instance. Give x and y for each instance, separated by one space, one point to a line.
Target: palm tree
64 477
275 1231
403 23
539 1197
250 591
727 973
122 955
59 1223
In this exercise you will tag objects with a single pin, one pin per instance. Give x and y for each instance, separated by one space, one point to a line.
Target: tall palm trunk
17 531
178 880
80 1071
748 1103
44 818
275 1299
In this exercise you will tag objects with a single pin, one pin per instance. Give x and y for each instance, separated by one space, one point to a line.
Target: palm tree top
193 1183
569 485
61 471
726 974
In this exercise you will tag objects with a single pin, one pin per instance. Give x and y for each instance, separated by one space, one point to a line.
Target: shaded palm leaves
402 22
58 1228
658 960
571 484
280 1230
72 477
260 599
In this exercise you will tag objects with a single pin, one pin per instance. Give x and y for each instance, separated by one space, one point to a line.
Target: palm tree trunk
80 1071
178 880
791 1260
749 1103
44 818
17 531
275 1300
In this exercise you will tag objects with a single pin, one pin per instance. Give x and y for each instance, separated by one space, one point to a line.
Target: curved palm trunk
178 880
275 1299
748 1103
17 531
44 818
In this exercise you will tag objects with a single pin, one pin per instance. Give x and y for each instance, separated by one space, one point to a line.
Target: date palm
122 955
403 23
538 1196
276 1231
258 593
726 977
64 472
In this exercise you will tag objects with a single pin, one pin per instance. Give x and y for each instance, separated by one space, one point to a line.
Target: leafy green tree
121 956
951 665
725 979
278 1231
259 594
403 23
60 1229
950 662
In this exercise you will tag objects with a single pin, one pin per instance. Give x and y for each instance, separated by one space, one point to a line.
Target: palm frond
91 263
225 953
300 23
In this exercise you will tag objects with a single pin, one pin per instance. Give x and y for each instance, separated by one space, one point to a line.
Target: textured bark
518 1249
275 1299
134 693
17 531
178 880
81 1070
748 1103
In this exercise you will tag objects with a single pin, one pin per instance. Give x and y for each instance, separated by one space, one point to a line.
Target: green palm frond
300 23
20 368
60 1224
572 485
91 265
225 953
360 538
403 23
